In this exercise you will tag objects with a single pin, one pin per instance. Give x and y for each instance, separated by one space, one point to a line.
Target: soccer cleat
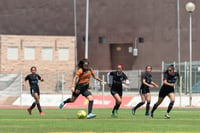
61 105
167 115
29 111
133 111
115 114
90 116
41 113
151 115
147 113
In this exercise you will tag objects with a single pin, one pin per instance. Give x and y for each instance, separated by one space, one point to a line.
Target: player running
167 89
83 75
34 89
147 83
118 78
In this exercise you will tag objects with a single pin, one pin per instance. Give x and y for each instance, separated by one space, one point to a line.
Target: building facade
53 56
114 27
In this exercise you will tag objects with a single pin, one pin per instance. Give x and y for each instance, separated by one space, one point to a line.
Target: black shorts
116 88
144 90
165 90
83 89
113 92
35 90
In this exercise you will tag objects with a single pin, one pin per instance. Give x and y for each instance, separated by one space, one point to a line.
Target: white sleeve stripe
108 77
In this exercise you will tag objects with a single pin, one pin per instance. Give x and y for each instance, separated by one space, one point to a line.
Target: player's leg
162 94
75 95
32 106
90 107
90 98
148 99
160 99
139 104
172 99
118 101
36 96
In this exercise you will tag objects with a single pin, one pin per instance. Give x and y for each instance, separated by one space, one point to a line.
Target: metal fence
11 85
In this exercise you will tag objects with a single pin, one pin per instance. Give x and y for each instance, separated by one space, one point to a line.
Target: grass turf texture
56 120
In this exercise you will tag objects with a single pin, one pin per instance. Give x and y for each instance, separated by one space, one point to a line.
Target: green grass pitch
65 121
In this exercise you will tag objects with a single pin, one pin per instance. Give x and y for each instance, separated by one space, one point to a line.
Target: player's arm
154 84
40 78
126 80
167 83
145 83
74 82
25 81
96 77
109 78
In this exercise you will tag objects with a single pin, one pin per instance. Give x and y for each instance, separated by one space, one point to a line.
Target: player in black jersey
167 89
34 89
147 83
118 78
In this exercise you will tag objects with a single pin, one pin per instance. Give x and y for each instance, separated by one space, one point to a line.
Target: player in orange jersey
83 75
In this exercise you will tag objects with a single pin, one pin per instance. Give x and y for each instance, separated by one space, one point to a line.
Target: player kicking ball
82 77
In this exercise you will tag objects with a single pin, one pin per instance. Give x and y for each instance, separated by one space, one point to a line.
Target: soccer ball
81 114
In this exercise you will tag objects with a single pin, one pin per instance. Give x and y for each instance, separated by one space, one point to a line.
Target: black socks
39 107
170 106
116 107
67 101
154 107
139 105
147 107
33 106
90 105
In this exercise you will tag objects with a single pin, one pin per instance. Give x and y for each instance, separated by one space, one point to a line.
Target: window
63 54
29 53
47 53
12 53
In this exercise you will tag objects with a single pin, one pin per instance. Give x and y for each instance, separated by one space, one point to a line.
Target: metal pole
179 34
103 89
21 88
190 16
75 33
86 28
162 71
185 79
180 90
62 85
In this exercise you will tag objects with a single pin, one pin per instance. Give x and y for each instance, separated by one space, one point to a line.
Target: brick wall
51 70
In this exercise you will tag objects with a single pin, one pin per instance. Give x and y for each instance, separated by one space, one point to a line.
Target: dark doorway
121 54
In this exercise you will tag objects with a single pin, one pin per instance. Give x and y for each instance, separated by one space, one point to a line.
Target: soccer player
167 89
147 83
118 78
33 79
83 75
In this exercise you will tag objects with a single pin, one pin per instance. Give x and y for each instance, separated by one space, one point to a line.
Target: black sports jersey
171 78
117 79
148 78
33 80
